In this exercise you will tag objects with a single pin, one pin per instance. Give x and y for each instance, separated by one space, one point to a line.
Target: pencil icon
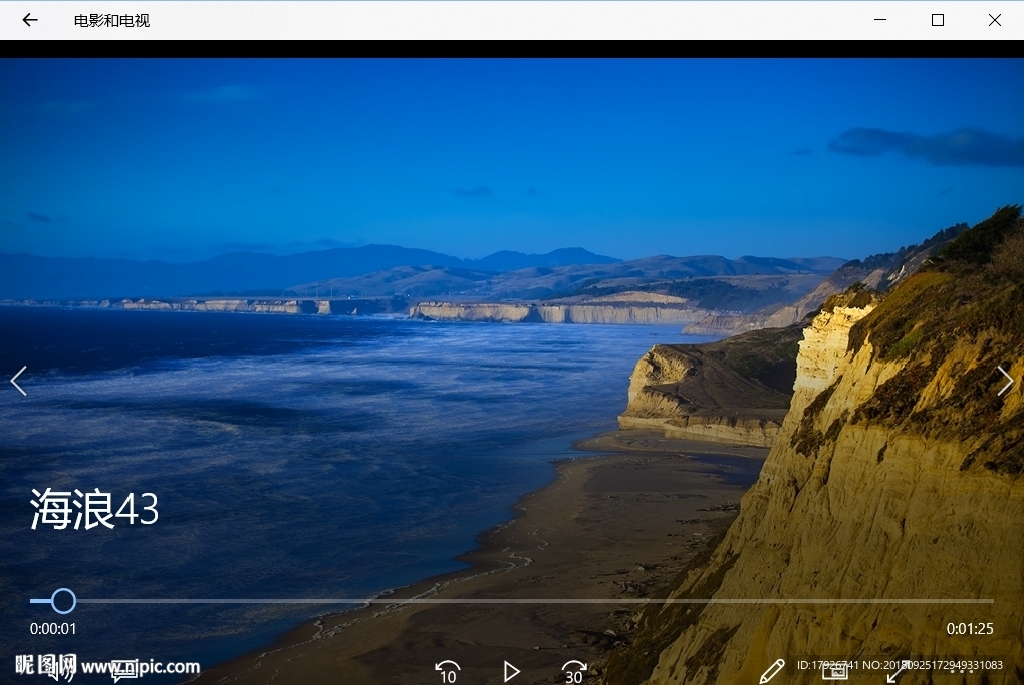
772 671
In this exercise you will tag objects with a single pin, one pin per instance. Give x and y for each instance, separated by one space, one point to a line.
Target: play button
510 671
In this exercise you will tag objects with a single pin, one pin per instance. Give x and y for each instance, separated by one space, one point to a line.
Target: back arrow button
18 387
27 20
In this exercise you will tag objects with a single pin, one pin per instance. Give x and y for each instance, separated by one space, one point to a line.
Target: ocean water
292 457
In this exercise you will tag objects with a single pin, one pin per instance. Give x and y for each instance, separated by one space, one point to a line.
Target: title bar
511 19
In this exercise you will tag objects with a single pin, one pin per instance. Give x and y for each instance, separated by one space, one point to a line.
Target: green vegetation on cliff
715 294
767 356
971 294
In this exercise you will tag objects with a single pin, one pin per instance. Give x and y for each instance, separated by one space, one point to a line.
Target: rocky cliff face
226 305
346 306
449 311
736 430
558 313
896 476
734 390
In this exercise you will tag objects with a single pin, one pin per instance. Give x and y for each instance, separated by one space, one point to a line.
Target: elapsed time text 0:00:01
51 628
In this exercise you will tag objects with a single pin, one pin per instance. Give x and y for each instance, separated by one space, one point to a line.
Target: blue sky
184 159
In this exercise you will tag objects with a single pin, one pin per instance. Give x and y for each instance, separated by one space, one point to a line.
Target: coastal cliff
618 313
896 475
348 306
735 390
225 305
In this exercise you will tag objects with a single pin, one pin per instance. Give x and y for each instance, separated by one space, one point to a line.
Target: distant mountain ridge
24 276
509 260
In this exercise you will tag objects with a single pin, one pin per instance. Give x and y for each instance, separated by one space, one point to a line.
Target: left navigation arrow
27 20
15 384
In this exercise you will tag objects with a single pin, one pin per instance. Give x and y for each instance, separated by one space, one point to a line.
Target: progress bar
500 600
536 601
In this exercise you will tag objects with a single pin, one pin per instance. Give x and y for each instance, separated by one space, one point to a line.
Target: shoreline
611 314
614 525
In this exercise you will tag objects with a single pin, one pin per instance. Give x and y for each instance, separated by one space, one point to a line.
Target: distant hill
507 260
879 272
764 279
24 276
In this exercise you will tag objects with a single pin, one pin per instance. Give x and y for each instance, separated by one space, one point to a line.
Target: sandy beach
617 524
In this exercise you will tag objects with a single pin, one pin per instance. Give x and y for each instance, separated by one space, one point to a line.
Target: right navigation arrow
510 671
1007 386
